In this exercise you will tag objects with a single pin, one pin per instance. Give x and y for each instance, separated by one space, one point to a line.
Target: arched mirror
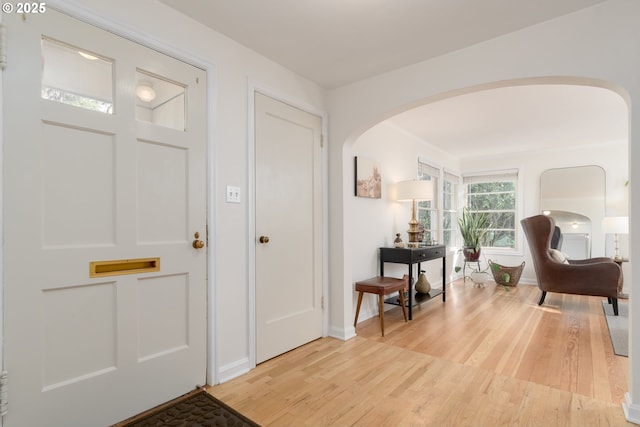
575 198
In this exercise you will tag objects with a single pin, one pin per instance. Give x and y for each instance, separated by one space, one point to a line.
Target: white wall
612 156
594 46
231 67
374 222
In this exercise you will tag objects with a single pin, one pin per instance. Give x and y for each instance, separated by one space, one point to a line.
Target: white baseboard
233 370
343 334
631 410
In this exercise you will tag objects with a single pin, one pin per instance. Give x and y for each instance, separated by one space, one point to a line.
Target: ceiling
337 42
519 119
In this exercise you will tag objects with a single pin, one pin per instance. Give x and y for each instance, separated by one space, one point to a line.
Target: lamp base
414 229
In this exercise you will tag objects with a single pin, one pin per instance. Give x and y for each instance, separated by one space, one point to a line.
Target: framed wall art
368 182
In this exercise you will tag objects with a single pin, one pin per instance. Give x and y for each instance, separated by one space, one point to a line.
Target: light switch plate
233 194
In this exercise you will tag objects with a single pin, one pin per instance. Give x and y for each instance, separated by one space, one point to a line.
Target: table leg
409 289
381 309
444 278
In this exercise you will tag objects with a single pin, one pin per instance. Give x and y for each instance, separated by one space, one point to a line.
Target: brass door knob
197 243
264 239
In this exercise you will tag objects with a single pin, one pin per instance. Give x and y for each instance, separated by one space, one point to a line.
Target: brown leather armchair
595 276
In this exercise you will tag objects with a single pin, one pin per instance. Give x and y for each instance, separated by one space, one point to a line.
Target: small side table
619 261
464 268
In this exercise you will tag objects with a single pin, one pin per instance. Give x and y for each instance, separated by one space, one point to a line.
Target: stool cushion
382 285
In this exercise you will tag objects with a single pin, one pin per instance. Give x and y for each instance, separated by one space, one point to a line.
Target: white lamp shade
615 225
414 190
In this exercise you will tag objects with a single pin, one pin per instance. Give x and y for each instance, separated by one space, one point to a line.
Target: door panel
288 211
69 220
162 167
86 181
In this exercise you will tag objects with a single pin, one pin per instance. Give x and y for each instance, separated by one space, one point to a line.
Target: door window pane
77 77
160 101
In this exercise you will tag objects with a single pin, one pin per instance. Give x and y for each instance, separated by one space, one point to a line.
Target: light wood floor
487 357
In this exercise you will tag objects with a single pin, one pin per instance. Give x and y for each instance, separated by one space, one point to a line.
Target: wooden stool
382 286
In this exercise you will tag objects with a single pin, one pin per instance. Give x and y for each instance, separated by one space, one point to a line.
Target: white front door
104 190
289 215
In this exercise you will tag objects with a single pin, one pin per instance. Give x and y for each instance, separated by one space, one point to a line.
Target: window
160 101
76 77
450 185
495 194
428 210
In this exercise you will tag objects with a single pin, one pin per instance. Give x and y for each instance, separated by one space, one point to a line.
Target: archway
373 224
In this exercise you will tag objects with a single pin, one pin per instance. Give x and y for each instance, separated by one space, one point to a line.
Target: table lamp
414 190
616 225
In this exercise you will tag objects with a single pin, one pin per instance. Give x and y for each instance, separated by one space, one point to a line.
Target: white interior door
289 215
99 183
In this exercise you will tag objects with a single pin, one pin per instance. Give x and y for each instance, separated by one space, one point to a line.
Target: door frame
133 34
253 87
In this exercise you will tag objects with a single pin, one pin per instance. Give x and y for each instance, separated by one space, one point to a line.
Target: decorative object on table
413 191
422 285
616 225
398 243
368 182
504 275
473 227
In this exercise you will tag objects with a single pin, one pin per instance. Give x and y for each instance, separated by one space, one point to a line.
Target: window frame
497 176
455 207
433 172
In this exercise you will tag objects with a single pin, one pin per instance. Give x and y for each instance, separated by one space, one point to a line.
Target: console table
411 256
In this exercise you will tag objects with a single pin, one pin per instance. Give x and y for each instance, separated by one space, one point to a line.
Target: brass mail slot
123 266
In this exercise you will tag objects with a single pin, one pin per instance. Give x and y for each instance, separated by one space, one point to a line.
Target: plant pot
479 278
504 275
471 253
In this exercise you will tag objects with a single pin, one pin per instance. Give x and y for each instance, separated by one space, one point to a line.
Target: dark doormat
197 408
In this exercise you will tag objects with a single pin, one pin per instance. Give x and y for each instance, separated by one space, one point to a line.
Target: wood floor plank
487 357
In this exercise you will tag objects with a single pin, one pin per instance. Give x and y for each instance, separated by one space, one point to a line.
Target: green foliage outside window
498 199
76 100
425 214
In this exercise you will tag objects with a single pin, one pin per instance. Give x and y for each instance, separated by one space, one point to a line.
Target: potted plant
477 275
480 277
473 227
501 274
